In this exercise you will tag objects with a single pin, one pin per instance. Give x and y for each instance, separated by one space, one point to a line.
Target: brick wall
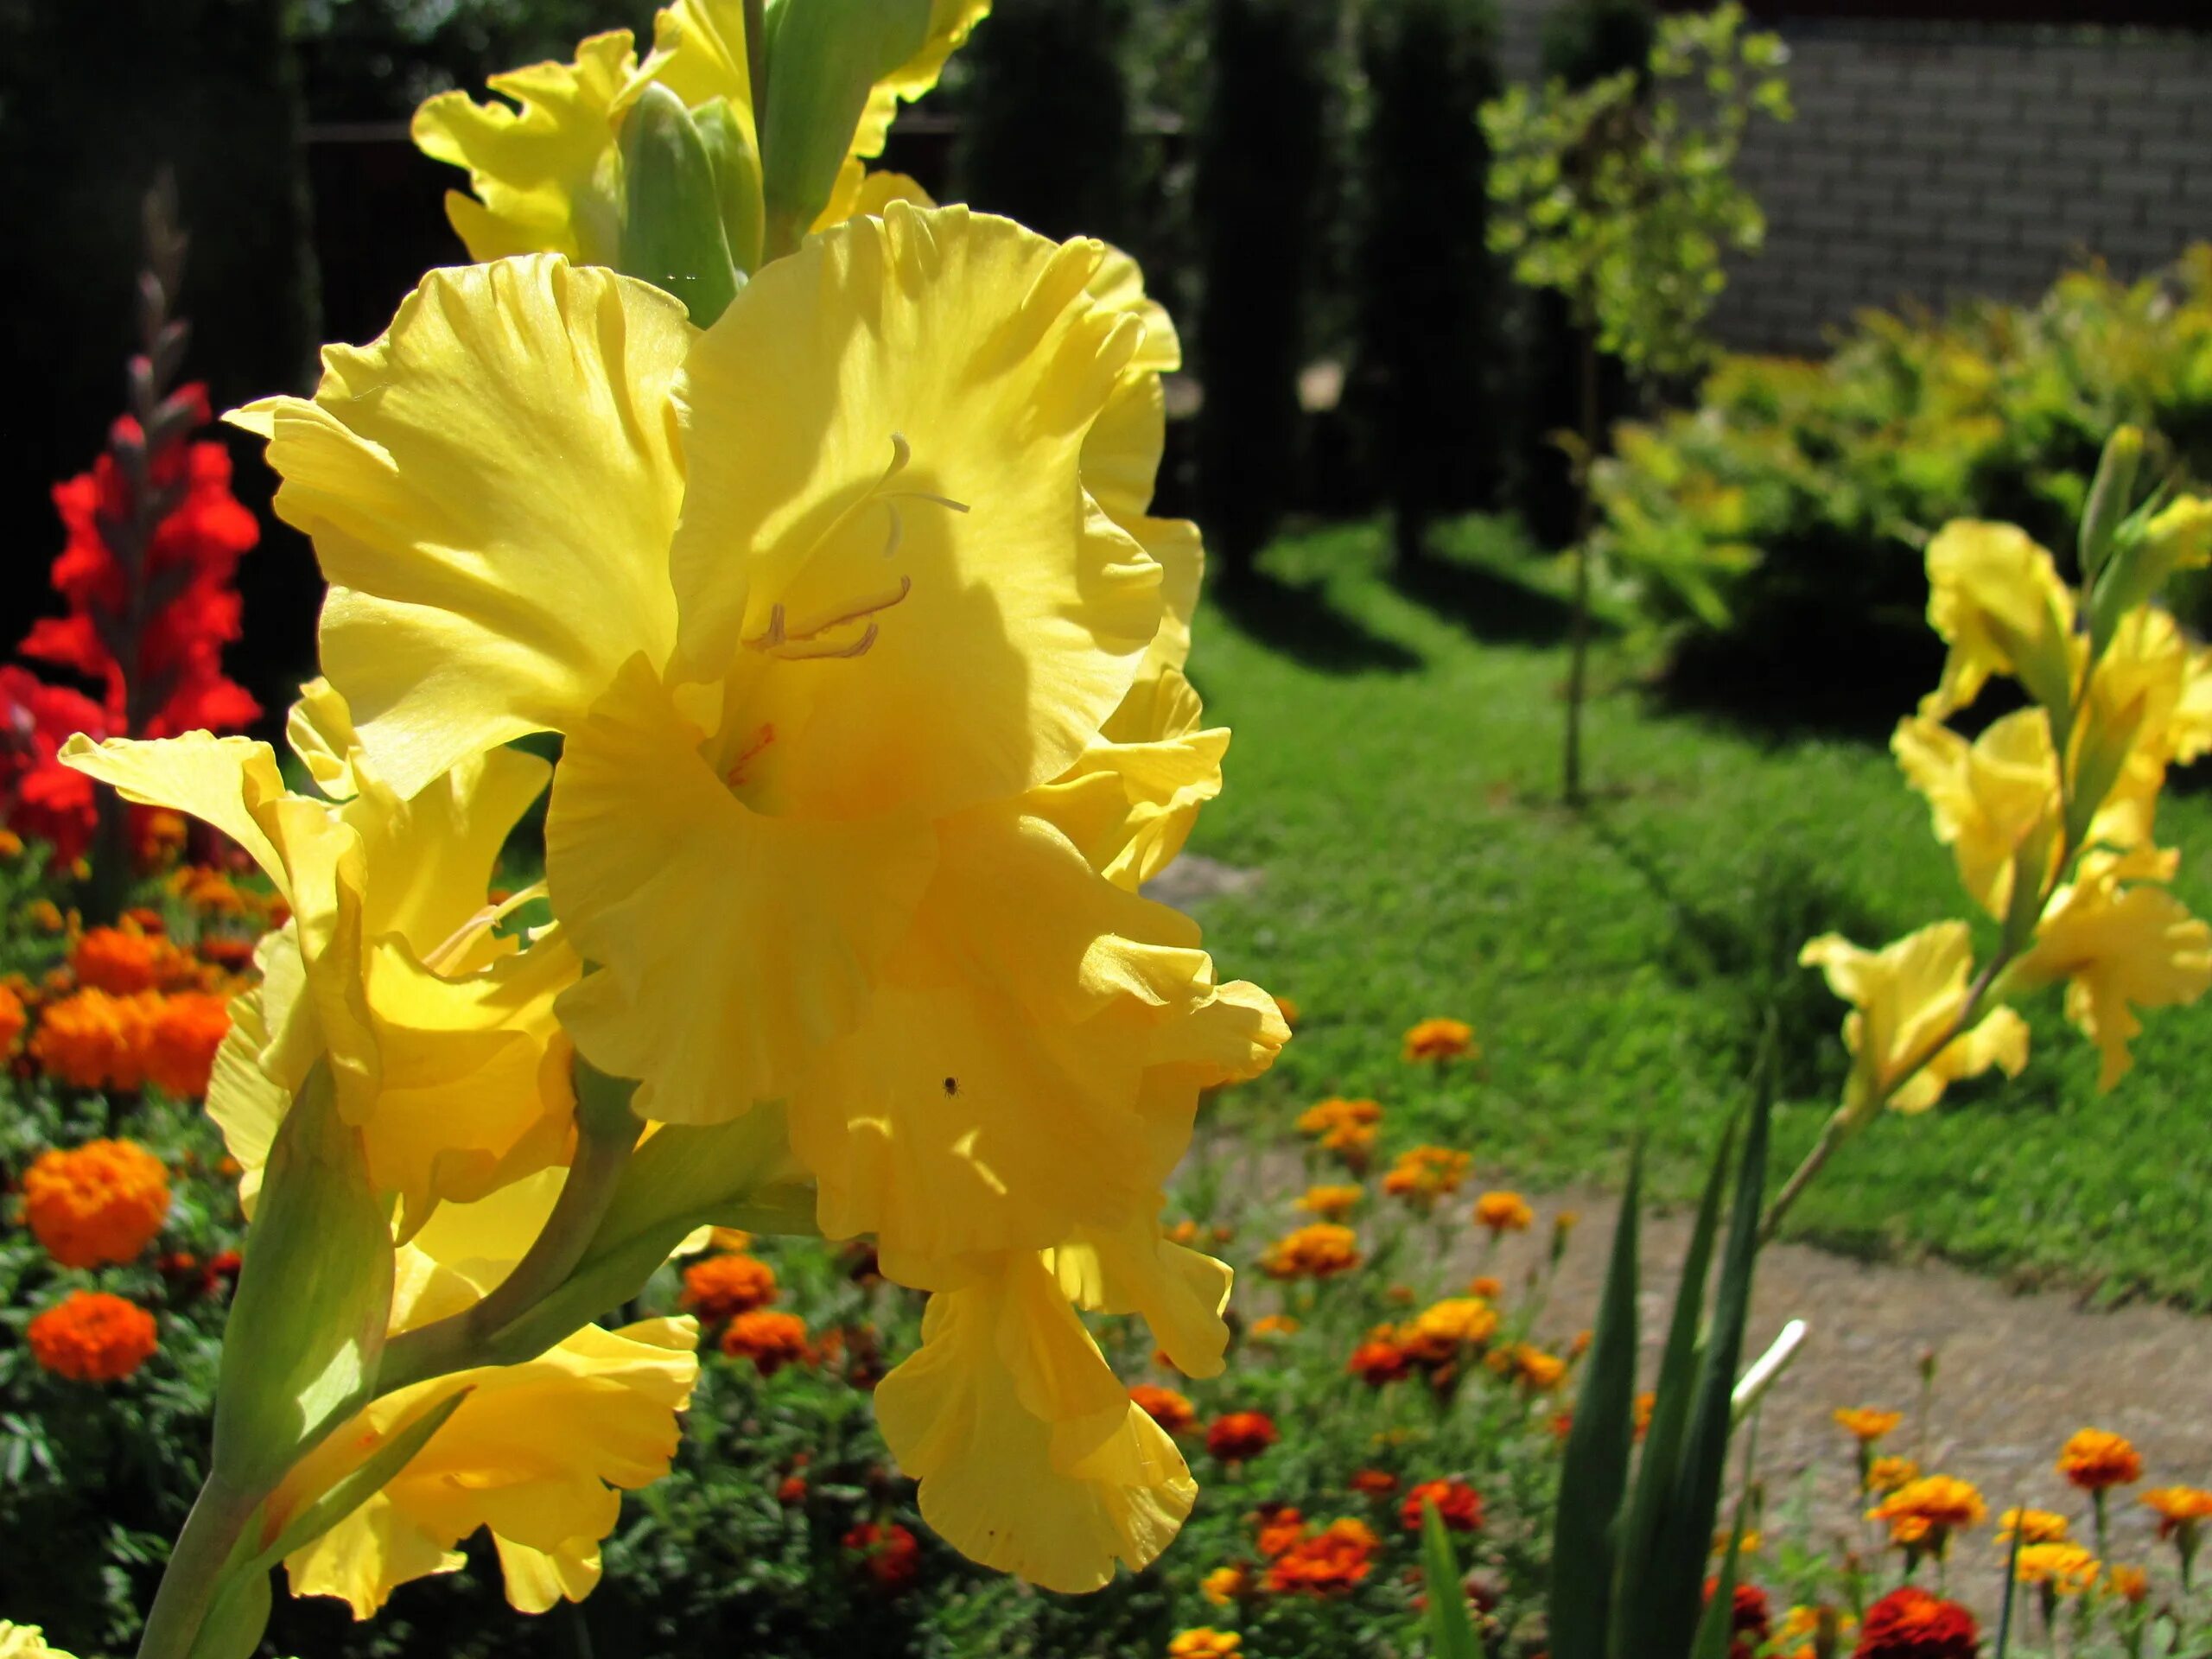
1930 161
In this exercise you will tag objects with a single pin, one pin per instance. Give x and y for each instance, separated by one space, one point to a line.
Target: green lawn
1394 774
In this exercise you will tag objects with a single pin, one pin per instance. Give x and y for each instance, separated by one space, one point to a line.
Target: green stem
188 1582
1578 665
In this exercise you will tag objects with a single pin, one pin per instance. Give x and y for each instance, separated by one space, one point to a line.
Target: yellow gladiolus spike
1996 599
1992 798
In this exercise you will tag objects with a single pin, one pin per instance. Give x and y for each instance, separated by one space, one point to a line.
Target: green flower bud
2109 496
736 162
2177 537
672 232
824 58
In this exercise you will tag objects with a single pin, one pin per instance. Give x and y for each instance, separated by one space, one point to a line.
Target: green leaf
1635 1584
307 1330
1716 1625
236 1616
1451 1622
1593 1473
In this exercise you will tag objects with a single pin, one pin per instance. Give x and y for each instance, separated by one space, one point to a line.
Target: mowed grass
1394 775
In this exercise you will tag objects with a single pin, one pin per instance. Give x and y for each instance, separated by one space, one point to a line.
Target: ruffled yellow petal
1131 1269
887 552
859 193
2150 701
545 171
538 1454
1992 798
1132 796
951 24
699 53
2120 942
1031 1458
732 944
1905 999
1996 599
26 1642
491 488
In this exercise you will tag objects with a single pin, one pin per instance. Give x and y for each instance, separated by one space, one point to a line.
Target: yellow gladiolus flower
2120 942
2148 708
1031 1456
538 1453
1996 599
442 1039
1992 798
1905 998
26 1642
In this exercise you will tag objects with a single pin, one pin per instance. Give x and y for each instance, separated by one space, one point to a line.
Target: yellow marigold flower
1224 1587
1904 997
1531 1366
2095 1460
1332 1203
1886 1475
92 1337
2120 942
96 1203
442 1039
2069 1569
1425 1173
1801 1622
1442 1040
2178 1508
1321 1250
1441 1331
538 1454
45 915
26 1642
1992 798
1996 599
1924 1512
1503 1212
2034 1527
1867 1424
1204 1643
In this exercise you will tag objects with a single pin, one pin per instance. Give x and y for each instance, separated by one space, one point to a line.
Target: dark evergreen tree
1430 291
1256 200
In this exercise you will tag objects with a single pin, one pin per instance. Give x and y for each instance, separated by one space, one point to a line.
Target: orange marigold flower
1280 1527
2130 1584
92 1337
1867 1424
1320 1250
11 844
12 1019
93 1039
1226 1586
1378 1361
1528 1365
1887 1474
46 915
1439 1332
2179 1508
1423 1174
2069 1569
1204 1642
793 1491
1909 1623
1645 1401
1335 1113
1332 1562
771 1340
118 960
1374 1483
1940 1505
722 1286
1288 1010
1240 1436
1440 1039
1489 1287
889 1553
2095 1460
1332 1203
1457 1505
181 1039
1503 1212
1172 1411
2034 1526
96 1203
1274 1324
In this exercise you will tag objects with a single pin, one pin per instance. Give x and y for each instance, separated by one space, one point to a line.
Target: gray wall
1932 161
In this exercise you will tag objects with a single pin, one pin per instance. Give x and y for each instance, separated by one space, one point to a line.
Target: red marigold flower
1172 1411
1241 1436
2095 1460
722 1286
92 1337
771 1340
1374 1483
1457 1505
1379 1361
1750 1619
1331 1562
889 1553
1909 1623
13 1017
792 1492
97 1203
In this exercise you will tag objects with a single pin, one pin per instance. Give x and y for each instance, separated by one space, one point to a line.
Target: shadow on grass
1298 622
1802 679
1487 603
1745 947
